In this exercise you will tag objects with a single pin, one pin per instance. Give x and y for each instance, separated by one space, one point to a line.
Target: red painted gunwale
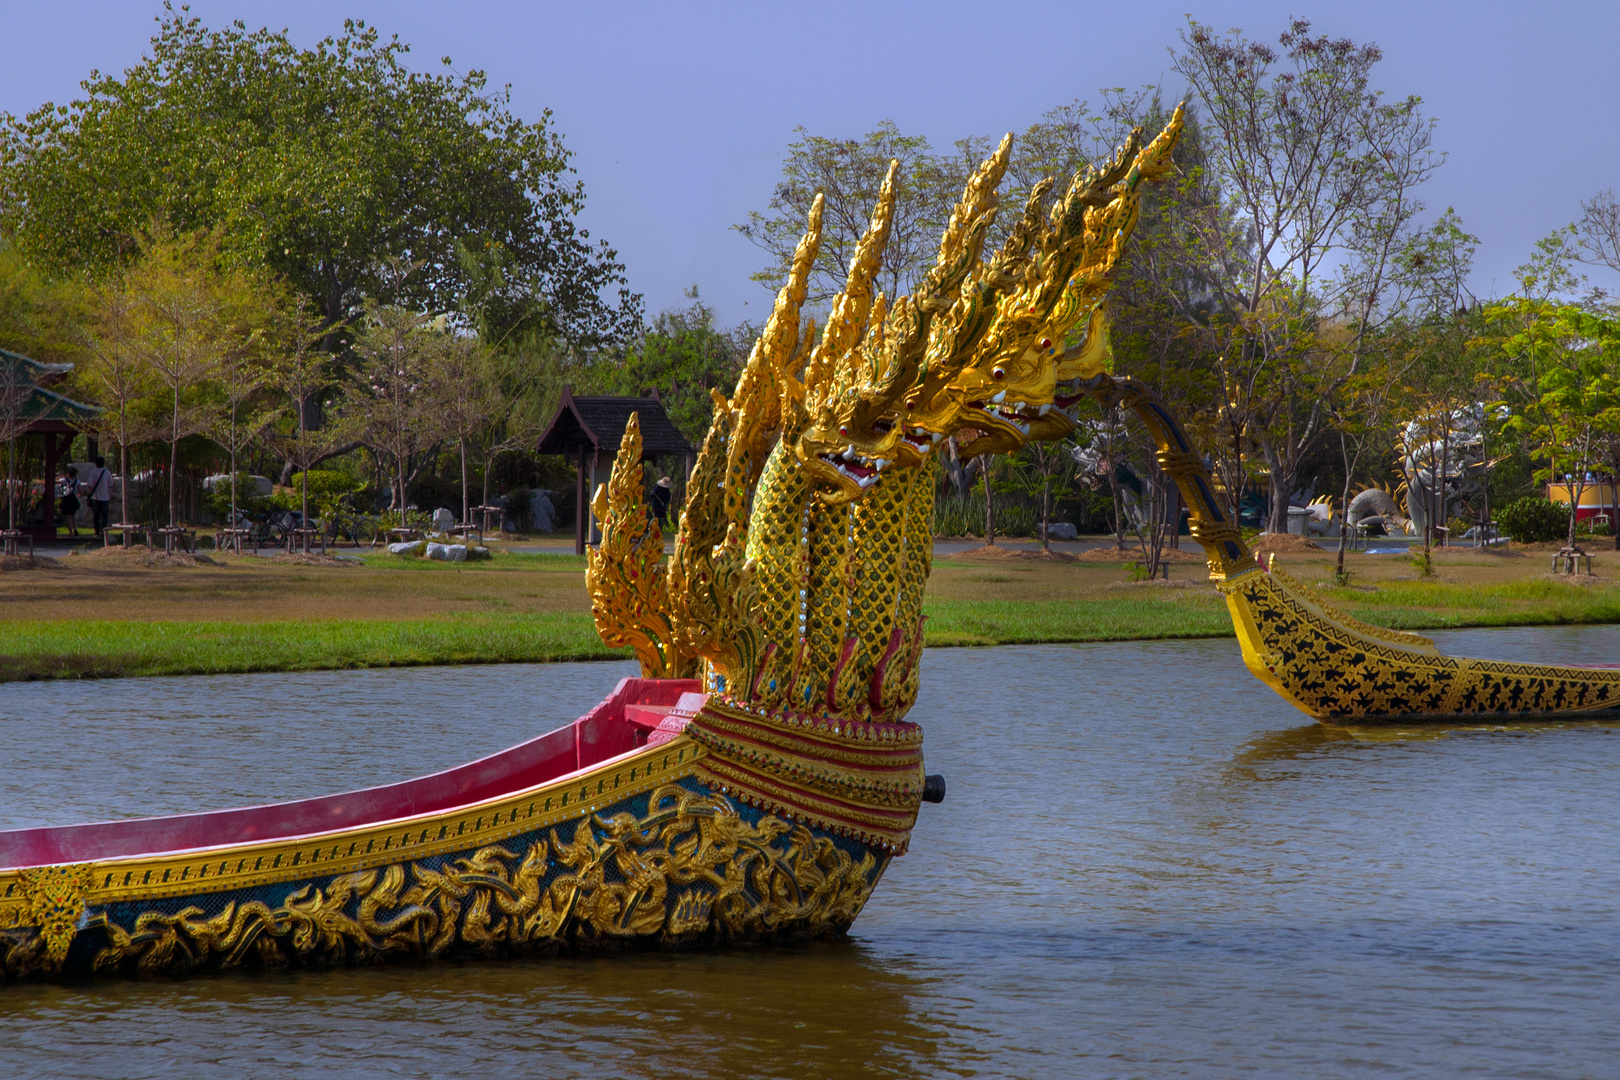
604 732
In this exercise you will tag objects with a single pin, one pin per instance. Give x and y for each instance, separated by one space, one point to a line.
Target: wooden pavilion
28 407
587 431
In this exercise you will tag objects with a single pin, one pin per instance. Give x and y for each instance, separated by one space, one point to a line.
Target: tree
18 410
114 373
319 164
194 314
1577 408
1597 234
1039 468
390 409
236 424
465 395
296 366
849 173
684 357
1314 178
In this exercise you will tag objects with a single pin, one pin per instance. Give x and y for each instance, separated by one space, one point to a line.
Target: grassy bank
100 617
105 648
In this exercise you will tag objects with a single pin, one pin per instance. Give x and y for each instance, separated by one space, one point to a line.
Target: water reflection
828 1010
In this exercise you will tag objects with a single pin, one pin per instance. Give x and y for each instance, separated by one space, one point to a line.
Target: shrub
518 502
1533 519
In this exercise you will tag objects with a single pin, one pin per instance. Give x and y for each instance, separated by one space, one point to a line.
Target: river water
1147 866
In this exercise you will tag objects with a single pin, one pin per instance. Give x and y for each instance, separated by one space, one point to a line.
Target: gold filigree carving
625 573
689 868
56 904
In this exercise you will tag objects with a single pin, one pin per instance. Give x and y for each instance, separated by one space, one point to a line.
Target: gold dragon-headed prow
624 575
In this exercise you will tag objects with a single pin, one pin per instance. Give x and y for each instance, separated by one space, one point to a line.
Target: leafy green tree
169 326
320 164
1576 407
1314 227
850 173
388 405
683 356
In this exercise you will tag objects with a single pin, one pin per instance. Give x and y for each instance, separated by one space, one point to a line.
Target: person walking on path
660 501
68 504
99 489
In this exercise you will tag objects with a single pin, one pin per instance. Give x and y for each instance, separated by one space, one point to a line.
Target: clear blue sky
679 114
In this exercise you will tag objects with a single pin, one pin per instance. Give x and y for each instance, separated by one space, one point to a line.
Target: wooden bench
225 539
126 532
13 541
305 538
1571 559
177 536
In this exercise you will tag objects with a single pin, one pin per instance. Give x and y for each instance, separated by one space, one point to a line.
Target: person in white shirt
99 488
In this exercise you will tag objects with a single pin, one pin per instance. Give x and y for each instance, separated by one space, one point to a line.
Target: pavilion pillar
48 518
582 508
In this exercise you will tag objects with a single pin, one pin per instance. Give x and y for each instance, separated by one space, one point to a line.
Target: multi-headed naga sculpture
797 575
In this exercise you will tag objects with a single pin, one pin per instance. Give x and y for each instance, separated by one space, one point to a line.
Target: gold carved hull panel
662 860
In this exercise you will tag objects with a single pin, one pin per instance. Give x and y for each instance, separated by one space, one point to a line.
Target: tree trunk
466 509
1046 513
989 503
1277 519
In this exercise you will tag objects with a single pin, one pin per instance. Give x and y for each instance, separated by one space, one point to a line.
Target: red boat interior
639 712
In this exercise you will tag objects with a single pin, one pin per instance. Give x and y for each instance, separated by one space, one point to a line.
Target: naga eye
911 404
844 431
998 373
1046 343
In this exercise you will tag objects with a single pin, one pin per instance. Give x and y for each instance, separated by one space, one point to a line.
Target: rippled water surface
1147 866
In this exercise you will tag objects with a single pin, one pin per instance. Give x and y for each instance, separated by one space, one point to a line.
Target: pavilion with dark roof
28 407
587 431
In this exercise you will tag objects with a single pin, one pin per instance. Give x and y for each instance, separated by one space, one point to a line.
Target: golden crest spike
847 321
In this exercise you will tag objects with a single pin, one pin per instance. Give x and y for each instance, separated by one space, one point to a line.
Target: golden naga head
978 347
1045 281
860 379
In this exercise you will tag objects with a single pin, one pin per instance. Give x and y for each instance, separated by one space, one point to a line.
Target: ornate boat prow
1329 664
1341 670
760 800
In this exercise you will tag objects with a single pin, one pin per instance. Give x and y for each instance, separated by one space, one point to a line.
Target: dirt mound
996 552
1583 580
140 556
1282 542
1161 583
311 558
1459 552
1134 554
29 562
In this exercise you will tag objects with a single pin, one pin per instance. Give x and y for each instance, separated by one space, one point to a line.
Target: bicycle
266 530
346 524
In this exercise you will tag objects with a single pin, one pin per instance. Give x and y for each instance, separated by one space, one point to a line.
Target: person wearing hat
660 501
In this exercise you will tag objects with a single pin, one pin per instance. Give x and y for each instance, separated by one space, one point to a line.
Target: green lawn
99 649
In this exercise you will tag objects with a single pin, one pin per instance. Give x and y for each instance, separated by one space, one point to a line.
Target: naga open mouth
1018 414
921 441
855 465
